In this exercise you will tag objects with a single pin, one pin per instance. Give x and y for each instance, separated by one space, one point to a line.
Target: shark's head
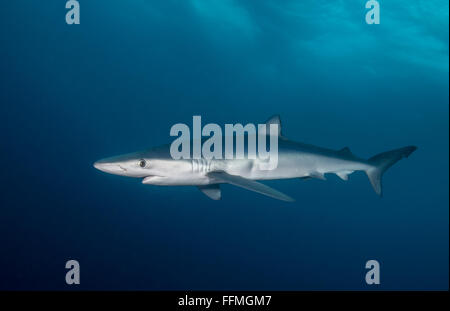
134 164
155 165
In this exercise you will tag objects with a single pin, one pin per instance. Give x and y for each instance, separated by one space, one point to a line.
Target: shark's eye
142 163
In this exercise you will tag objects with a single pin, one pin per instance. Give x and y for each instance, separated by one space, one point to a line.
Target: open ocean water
116 83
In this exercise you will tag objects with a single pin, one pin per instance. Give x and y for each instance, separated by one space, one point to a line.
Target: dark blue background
71 95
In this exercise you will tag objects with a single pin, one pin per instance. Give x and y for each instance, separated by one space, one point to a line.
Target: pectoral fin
212 191
250 185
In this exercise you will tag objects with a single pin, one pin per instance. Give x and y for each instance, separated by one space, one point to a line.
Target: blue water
117 82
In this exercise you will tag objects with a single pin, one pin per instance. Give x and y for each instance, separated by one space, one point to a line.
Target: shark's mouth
151 178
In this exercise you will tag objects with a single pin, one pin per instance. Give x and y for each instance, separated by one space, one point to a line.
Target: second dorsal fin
346 151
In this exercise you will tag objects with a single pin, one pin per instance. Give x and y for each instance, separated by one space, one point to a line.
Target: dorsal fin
346 151
275 119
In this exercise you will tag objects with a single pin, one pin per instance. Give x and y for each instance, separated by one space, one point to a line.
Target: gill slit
200 165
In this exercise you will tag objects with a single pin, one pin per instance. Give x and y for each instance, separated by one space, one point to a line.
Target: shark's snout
109 167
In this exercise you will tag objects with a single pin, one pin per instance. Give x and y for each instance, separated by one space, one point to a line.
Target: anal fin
344 174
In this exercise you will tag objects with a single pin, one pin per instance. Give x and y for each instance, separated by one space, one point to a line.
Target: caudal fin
381 162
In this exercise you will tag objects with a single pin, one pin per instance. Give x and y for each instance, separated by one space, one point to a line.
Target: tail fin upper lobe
381 162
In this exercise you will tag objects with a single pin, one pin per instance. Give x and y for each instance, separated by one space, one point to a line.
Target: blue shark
295 160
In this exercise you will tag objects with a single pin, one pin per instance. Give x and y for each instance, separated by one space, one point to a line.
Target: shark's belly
291 165
178 180
287 167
